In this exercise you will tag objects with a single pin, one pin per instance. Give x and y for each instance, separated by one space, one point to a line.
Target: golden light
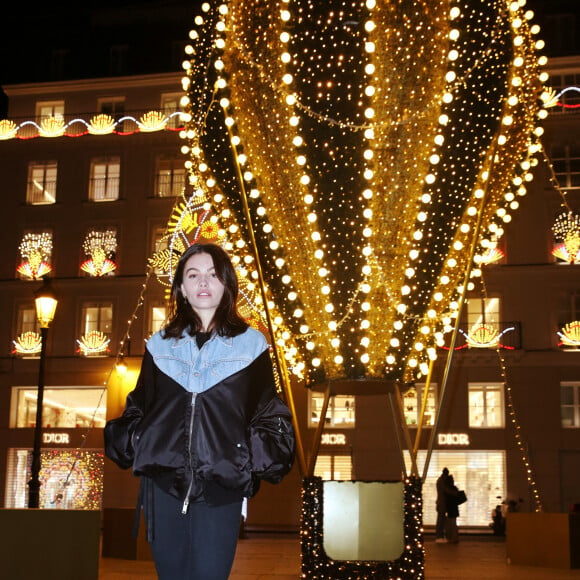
46 303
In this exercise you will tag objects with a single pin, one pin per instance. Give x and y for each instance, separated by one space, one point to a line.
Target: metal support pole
34 483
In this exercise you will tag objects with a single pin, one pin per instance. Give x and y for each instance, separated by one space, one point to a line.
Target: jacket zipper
186 501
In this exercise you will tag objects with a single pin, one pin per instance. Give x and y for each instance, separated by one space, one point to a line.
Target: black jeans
198 545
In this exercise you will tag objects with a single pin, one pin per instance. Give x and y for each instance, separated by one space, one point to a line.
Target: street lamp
46 302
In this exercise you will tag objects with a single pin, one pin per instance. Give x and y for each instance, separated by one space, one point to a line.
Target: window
171 107
413 403
62 407
99 249
482 311
566 163
486 405
334 467
570 404
97 325
104 184
35 255
568 308
41 186
170 177
49 109
157 316
340 412
69 478
27 342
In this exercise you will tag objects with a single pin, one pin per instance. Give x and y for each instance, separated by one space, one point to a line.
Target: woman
204 423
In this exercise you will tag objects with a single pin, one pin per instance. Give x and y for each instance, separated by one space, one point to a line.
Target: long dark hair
227 321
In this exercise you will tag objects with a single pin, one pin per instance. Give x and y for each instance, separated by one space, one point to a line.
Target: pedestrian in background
452 511
441 505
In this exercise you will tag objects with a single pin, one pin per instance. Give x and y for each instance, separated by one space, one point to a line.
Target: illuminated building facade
92 171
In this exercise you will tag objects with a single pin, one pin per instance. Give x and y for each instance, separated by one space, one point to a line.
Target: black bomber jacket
219 443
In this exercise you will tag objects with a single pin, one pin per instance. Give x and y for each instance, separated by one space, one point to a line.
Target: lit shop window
413 403
339 414
96 329
28 341
100 247
570 404
35 255
169 177
69 478
486 405
41 184
334 467
104 182
63 407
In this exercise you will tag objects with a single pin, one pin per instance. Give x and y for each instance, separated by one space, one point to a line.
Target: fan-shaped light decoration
570 334
52 127
567 231
100 246
101 125
93 342
484 336
7 129
36 252
152 121
378 147
27 343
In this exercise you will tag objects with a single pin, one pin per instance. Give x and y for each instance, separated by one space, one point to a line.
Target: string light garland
316 565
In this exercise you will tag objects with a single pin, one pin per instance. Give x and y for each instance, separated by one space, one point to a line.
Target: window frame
485 388
574 405
45 174
110 181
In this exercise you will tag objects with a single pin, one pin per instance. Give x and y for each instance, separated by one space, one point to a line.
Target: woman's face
201 286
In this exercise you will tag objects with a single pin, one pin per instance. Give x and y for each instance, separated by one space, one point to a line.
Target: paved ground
263 556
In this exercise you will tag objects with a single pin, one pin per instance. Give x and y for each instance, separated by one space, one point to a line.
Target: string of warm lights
316 565
364 175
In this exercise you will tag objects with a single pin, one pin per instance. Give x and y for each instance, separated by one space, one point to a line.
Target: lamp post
46 302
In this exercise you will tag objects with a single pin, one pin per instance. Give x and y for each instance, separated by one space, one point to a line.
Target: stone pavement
268 556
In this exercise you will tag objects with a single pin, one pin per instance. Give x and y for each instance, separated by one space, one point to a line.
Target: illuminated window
69 478
41 185
340 413
413 403
27 341
49 109
565 160
483 311
157 316
169 177
35 255
570 404
62 407
486 405
104 184
99 250
97 324
334 467
171 104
